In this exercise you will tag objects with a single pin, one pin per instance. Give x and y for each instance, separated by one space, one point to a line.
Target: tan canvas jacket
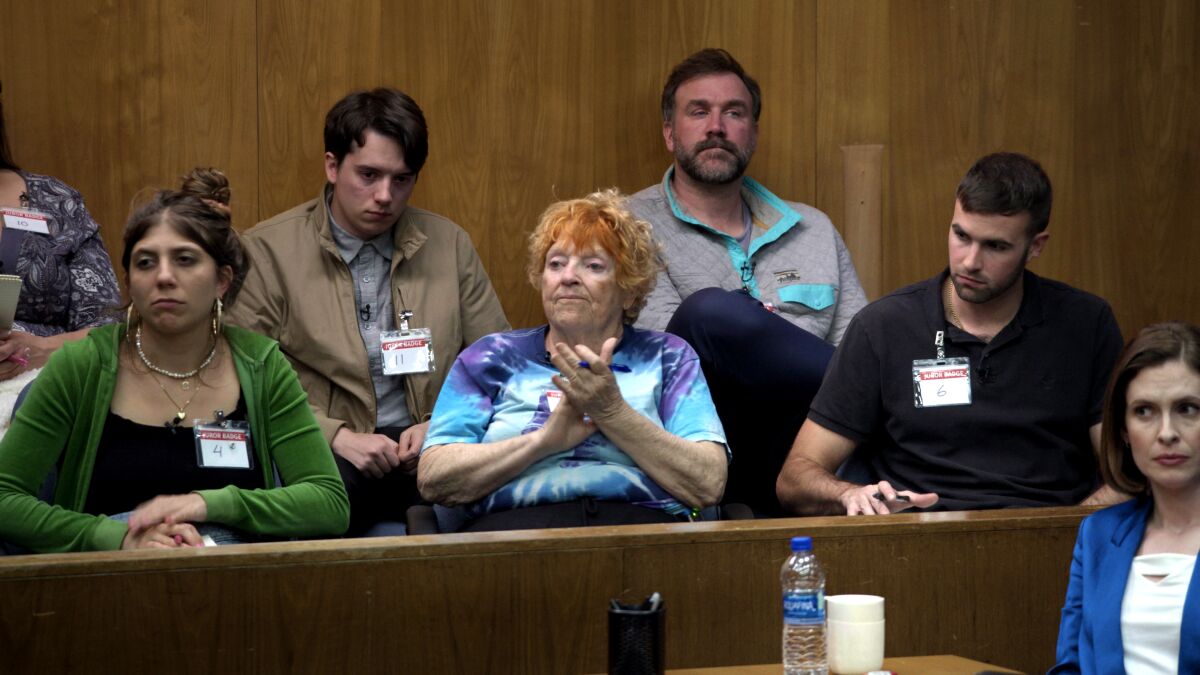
299 292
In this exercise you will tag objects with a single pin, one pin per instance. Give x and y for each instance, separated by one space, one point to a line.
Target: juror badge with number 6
939 382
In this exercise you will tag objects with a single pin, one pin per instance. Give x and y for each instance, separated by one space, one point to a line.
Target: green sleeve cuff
108 534
220 505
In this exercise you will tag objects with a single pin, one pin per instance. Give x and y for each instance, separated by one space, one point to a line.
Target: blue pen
618 367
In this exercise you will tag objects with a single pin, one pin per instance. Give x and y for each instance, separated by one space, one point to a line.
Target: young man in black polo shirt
979 388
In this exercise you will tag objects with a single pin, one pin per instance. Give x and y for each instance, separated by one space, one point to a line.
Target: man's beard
713 172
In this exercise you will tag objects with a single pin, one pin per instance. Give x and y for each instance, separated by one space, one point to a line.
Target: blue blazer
1089 637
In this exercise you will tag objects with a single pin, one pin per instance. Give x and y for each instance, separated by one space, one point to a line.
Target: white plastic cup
855 633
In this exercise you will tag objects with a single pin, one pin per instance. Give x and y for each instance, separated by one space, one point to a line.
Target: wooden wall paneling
934 83
510 612
852 75
309 55
505 92
59 65
922 589
862 222
636 45
511 110
119 99
777 45
516 612
1136 161
530 101
185 102
968 79
1033 88
719 610
722 594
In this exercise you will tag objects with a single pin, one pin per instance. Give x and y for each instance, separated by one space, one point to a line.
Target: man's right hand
373 454
881 497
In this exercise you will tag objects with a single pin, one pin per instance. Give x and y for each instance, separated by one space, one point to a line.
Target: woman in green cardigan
170 419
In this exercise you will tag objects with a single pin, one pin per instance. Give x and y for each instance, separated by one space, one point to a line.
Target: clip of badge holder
636 637
408 350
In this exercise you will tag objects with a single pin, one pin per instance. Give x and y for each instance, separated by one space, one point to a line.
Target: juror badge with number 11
406 351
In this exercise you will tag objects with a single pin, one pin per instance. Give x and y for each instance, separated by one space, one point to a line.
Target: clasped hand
592 390
166 522
589 393
377 455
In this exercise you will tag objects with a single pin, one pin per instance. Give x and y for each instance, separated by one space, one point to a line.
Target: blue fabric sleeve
686 406
463 410
1067 651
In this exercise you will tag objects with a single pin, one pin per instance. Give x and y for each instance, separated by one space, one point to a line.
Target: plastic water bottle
803 583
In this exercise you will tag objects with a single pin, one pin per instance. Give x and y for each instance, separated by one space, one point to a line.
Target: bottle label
804 609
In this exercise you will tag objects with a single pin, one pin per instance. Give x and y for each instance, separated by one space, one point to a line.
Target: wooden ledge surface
484 543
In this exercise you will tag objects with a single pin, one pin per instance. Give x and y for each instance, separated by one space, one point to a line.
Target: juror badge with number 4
938 382
223 445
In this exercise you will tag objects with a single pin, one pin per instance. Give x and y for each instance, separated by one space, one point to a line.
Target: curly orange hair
600 220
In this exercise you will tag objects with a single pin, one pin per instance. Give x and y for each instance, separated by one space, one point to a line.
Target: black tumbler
635 637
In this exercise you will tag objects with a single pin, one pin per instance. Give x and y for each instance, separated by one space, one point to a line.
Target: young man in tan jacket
369 298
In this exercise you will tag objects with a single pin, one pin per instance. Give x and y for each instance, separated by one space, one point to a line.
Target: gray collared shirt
370 264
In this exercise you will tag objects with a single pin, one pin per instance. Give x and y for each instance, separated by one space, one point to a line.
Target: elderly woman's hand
565 429
592 390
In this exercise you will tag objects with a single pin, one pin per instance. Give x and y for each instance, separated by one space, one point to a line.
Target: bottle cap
801 543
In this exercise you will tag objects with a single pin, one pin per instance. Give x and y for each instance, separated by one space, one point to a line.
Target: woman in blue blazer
1148 621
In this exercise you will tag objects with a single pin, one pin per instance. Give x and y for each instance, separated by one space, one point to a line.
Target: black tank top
137 462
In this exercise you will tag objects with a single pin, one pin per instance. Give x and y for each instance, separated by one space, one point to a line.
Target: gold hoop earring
129 320
218 306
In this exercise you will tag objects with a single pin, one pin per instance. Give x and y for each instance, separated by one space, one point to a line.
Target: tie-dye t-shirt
497 390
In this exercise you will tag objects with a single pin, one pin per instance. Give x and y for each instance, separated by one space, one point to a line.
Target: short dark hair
198 210
386 111
1154 345
6 160
707 62
1007 184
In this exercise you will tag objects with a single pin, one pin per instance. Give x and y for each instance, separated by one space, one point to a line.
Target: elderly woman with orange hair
584 420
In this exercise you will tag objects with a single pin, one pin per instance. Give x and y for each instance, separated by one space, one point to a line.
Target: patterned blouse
67 278
500 388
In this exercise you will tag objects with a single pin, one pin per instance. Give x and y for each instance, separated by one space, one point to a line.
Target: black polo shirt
1036 389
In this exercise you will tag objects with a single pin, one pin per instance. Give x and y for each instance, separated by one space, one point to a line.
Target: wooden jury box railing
984 585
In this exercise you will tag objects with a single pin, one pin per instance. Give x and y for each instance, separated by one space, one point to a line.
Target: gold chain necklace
181 410
948 300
